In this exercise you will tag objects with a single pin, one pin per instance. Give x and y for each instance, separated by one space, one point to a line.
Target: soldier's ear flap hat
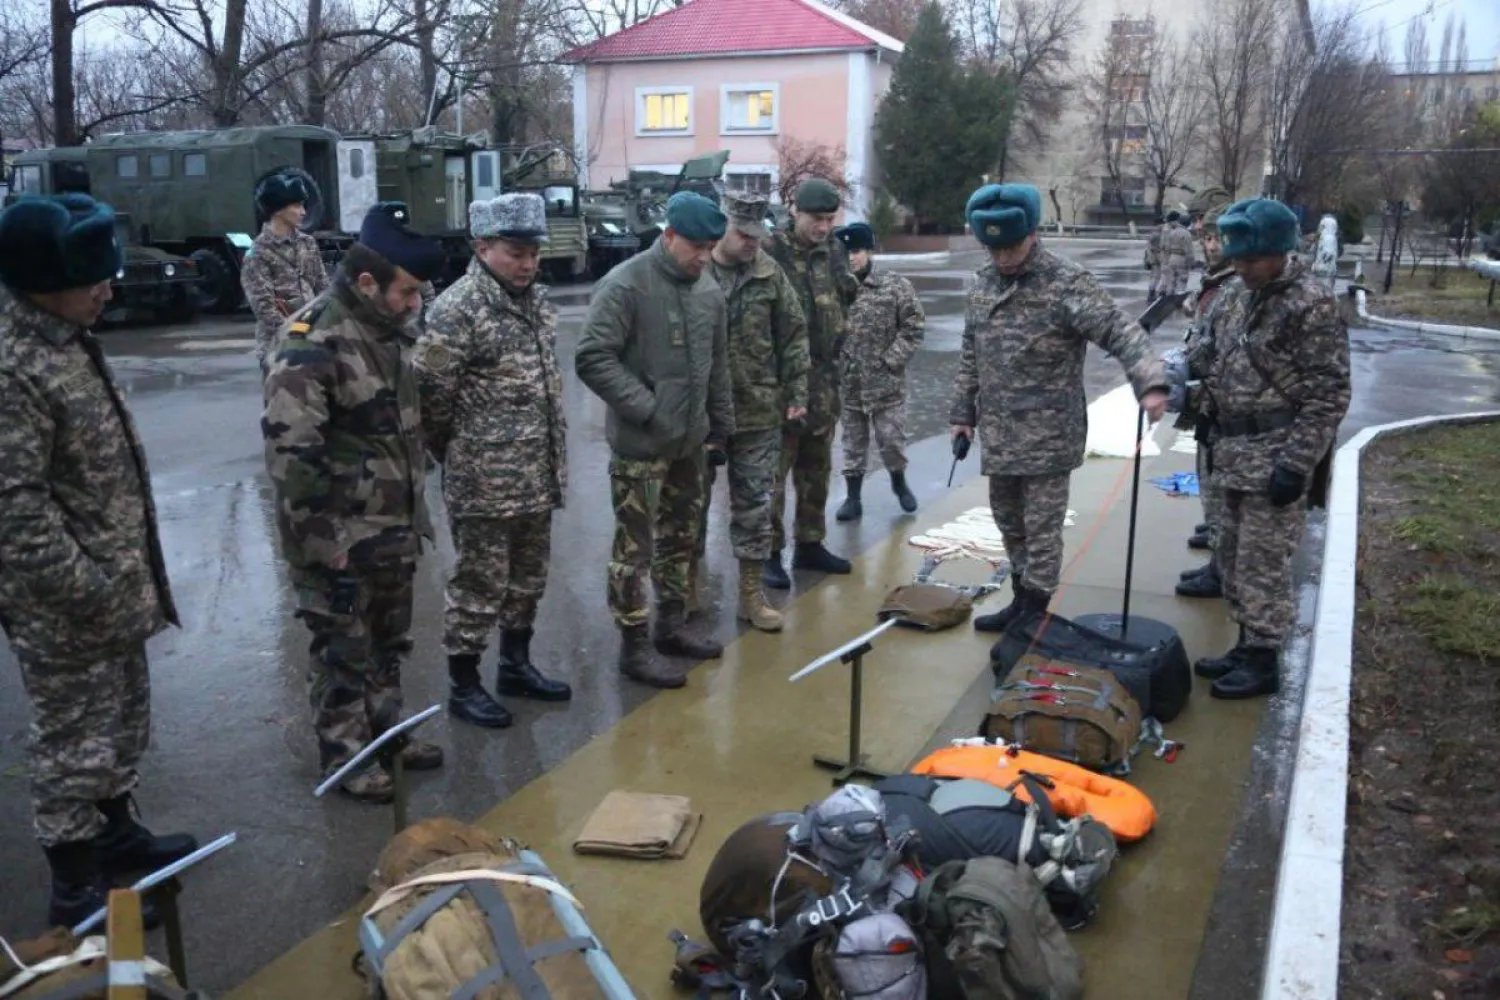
280 188
856 236
516 218
56 242
395 209
414 253
1003 215
694 217
1258 227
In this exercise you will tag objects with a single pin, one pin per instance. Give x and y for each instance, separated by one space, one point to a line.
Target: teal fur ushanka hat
53 243
1258 227
1003 215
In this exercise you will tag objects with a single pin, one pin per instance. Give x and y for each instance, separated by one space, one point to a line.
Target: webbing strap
497 973
508 944
416 918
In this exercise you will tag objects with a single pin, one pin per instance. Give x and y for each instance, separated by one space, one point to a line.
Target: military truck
435 173
549 171
629 216
192 194
152 279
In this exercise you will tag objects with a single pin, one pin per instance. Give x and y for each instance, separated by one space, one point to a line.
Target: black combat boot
1214 667
903 492
813 556
1257 673
126 847
774 573
851 509
1188 574
996 621
79 886
1204 584
637 663
467 698
518 677
671 637
1200 538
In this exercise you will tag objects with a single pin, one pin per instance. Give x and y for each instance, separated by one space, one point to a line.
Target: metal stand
1135 500
852 653
388 745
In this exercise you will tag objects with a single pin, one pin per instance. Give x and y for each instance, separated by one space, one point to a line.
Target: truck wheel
218 288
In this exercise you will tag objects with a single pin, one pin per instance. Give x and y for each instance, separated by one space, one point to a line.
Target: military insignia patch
992 230
434 357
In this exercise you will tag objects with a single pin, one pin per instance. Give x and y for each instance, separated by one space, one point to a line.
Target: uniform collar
367 314
27 317
500 293
269 235
668 265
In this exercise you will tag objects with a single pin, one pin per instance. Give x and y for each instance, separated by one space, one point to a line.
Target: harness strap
419 915
514 960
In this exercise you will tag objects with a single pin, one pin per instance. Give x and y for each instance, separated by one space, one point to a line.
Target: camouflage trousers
889 424
1173 280
754 459
1030 512
355 668
499 579
658 510
1256 543
808 456
1213 501
90 724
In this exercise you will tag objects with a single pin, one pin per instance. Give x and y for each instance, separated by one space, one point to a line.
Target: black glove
344 595
961 444
1287 486
716 457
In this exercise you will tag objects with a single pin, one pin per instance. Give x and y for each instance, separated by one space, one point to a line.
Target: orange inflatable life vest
1123 808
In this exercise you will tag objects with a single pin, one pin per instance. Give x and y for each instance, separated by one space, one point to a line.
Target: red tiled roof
727 27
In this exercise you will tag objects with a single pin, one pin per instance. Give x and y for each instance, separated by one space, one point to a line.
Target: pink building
736 75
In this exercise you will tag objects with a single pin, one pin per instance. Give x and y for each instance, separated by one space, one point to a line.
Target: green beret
694 217
56 242
1003 215
856 236
1258 227
817 195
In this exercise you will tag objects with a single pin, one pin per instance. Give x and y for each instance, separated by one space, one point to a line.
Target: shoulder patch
303 324
432 356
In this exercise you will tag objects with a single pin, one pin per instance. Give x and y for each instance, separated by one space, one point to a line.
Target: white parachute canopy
1112 427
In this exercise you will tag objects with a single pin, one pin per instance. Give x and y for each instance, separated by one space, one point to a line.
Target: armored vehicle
192 193
549 171
629 216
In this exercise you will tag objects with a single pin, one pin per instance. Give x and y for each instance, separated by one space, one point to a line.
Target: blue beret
56 242
1258 227
856 236
414 253
694 217
282 187
1003 215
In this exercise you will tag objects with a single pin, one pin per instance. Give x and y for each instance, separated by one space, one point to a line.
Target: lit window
751 109
666 111
127 166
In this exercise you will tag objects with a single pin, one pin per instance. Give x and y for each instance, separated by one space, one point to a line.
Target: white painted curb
937 257
1302 955
1467 332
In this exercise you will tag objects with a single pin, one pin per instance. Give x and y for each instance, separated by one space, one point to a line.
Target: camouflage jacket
343 436
1153 246
492 398
280 275
654 349
886 324
1176 247
1020 370
768 359
81 565
1202 309
822 277
1282 348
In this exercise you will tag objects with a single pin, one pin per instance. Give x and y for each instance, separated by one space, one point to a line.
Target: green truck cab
629 216
191 195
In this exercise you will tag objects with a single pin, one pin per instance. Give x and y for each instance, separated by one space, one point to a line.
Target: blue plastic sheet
1183 484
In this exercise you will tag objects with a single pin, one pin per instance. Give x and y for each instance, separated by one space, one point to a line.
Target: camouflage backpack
990 935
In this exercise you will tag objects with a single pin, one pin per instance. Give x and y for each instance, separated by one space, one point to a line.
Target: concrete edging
1467 332
1302 952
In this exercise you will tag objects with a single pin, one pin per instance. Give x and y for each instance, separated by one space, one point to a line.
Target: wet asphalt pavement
231 745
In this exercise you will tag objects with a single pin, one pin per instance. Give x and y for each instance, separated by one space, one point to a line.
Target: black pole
1390 267
1135 499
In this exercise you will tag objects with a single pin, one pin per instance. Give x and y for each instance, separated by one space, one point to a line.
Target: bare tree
23 40
1032 42
797 160
1113 93
896 18
1235 44
1174 110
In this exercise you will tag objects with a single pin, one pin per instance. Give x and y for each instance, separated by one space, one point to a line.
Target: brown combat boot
637 663
754 608
672 638
374 785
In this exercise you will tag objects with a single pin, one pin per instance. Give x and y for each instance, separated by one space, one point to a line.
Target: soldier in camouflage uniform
654 349
768 365
344 451
819 269
282 272
492 413
886 324
1275 377
1031 316
1218 277
1176 256
82 580
1153 257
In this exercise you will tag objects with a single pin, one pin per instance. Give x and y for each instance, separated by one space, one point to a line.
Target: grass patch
1432 532
1466 926
1457 617
1460 299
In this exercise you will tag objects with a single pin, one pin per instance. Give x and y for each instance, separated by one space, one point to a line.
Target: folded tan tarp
638 825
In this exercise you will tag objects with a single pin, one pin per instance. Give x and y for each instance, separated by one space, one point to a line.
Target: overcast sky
1480 17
